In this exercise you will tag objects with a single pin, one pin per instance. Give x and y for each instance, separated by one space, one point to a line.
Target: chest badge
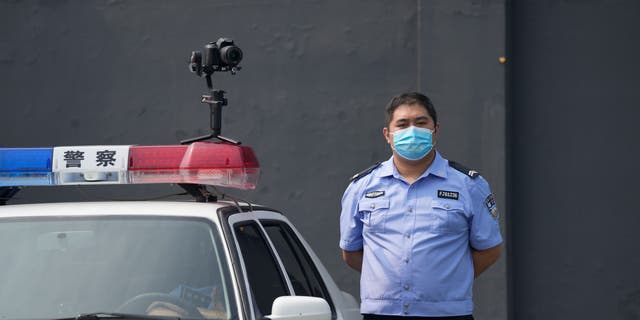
374 194
448 194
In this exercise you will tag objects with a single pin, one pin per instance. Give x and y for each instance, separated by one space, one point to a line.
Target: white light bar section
90 164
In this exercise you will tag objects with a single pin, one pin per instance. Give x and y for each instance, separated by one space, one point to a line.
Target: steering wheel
140 303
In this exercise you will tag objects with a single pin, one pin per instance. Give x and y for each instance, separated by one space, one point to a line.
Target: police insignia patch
374 194
490 203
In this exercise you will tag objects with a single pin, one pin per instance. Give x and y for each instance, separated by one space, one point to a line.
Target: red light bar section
143 158
207 163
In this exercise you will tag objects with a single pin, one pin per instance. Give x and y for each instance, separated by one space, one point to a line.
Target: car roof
117 208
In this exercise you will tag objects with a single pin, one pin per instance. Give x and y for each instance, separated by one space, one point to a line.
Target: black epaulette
364 172
471 173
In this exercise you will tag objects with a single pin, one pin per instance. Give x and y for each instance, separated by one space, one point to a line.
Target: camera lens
231 55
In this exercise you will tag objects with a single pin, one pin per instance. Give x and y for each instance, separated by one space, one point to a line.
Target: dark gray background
310 100
573 146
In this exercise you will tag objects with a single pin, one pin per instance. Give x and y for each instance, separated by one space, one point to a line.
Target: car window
263 272
62 267
302 273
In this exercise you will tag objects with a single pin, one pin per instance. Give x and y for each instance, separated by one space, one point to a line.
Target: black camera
223 55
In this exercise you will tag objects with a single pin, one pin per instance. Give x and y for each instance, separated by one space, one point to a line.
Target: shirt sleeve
350 223
485 228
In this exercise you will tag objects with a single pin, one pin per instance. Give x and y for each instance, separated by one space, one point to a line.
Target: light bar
207 163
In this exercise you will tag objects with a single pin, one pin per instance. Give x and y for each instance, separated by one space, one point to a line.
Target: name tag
374 194
448 194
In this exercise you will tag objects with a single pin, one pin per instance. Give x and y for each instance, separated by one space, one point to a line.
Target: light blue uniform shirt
418 238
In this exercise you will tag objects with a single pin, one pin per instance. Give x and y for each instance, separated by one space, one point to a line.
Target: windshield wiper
115 315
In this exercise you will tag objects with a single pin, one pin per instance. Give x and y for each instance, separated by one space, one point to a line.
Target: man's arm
354 259
482 259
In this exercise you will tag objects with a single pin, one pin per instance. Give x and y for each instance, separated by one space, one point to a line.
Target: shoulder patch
471 173
364 172
490 203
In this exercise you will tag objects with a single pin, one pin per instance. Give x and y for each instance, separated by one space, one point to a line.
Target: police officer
418 227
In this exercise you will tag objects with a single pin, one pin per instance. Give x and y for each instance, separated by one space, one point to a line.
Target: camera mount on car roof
221 56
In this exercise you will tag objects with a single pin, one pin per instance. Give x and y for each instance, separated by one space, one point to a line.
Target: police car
208 258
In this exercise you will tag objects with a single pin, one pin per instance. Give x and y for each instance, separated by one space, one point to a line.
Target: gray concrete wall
574 154
310 97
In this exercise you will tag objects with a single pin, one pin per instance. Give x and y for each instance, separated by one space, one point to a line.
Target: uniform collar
388 169
437 168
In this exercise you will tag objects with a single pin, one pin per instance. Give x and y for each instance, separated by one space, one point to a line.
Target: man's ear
385 133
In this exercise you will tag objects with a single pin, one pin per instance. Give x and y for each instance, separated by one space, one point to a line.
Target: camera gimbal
221 56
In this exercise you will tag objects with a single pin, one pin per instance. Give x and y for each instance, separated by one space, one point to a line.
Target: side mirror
300 308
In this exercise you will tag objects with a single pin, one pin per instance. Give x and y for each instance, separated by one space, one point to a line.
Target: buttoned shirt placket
409 223
409 198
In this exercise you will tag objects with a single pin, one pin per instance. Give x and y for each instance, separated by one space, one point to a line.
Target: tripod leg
228 140
196 139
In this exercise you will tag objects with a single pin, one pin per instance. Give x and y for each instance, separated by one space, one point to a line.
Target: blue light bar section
25 166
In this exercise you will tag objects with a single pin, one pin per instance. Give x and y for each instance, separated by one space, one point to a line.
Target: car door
301 271
275 261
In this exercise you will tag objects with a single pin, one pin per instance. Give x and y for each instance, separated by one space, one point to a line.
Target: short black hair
410 98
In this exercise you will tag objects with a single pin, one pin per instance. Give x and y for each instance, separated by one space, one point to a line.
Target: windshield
63 267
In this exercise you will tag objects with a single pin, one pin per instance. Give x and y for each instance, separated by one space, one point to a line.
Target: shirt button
410 209
406 260
407 236
447 206
406 305
406 287
372 206
406 312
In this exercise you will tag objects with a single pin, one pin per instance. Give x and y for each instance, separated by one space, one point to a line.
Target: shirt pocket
450 216
373 213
